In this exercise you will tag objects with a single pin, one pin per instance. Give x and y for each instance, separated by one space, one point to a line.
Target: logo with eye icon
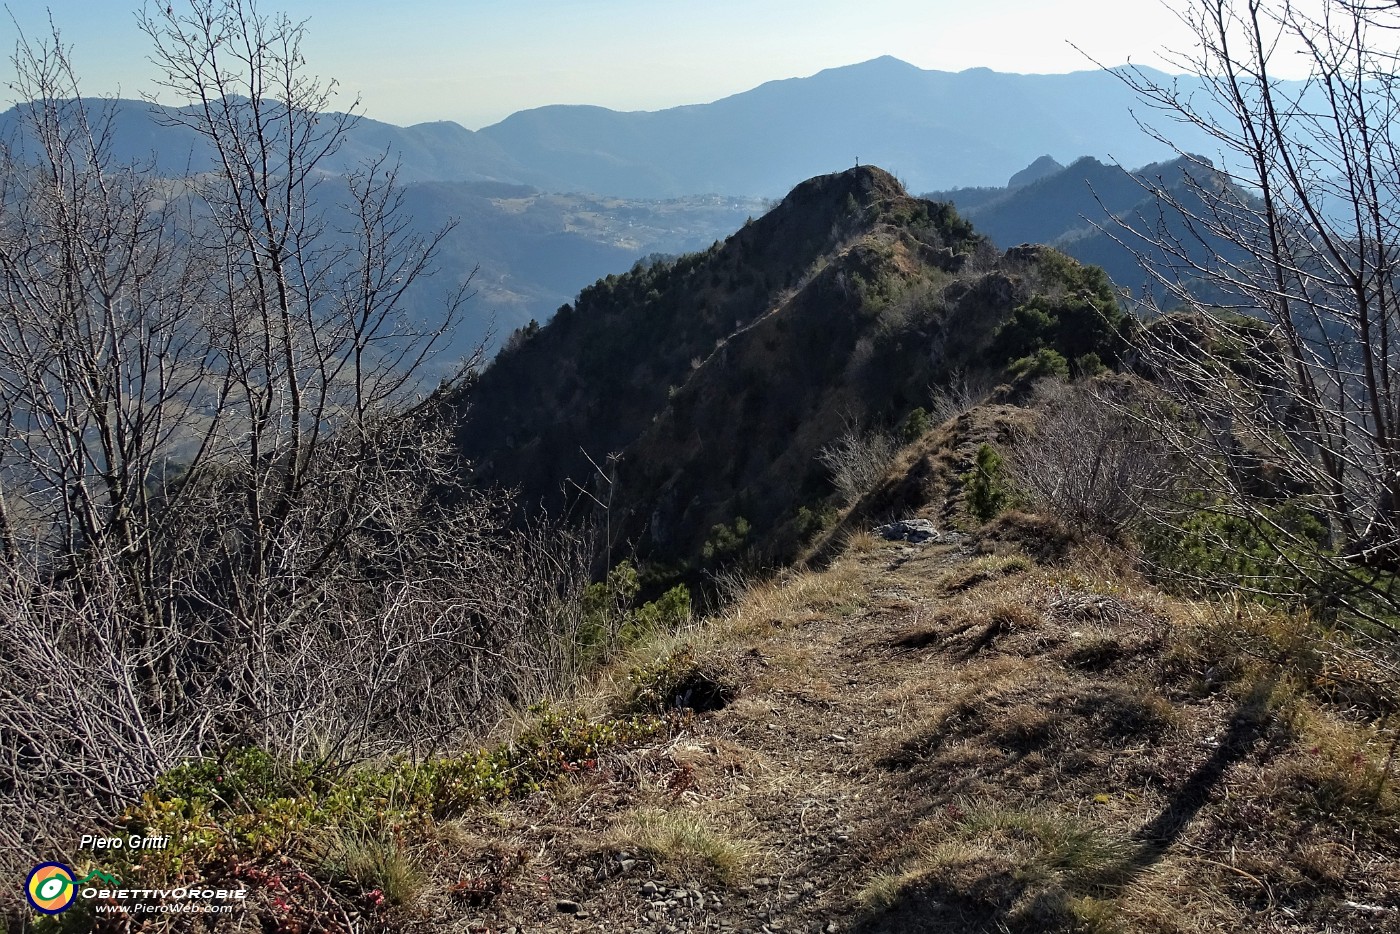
50 888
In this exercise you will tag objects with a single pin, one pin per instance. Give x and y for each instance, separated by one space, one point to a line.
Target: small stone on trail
916 531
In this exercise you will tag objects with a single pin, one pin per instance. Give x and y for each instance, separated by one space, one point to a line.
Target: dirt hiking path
928 739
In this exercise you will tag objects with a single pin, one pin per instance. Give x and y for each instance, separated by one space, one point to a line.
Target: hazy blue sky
475 62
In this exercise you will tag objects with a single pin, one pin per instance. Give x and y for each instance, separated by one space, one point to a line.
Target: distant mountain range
637 180
934 129
1095 213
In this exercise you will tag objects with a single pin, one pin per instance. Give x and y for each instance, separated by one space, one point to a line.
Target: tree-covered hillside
695 393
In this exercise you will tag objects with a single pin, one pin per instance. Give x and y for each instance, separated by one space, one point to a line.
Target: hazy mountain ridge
1091 210
535 252
154 136
934 129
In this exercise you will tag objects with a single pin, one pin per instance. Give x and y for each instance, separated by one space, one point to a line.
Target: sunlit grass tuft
685 842
375 862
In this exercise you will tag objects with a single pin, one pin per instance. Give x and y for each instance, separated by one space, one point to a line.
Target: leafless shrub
1089 459
857 460
962 392
427 617
729 583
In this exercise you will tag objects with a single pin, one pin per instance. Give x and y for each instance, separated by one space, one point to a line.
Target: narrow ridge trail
928 738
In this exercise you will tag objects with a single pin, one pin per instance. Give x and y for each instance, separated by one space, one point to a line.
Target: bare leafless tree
1292 377
959 393
225 516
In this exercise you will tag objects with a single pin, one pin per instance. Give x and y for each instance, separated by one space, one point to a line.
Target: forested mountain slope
689 394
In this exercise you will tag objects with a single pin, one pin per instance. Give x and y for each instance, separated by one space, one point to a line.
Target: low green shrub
915 425
1213 548
1073 314
1039 365
812 522
667 613
281 828
611 621
726 541
988 492
1088 365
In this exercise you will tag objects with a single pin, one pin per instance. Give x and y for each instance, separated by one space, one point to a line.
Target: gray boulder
917 531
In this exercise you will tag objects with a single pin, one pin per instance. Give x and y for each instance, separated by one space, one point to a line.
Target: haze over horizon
433 60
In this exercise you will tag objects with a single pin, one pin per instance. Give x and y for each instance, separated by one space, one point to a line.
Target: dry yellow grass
375 861
690 843
1006 746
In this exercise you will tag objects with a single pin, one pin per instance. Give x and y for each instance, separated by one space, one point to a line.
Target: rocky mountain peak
1043 167
867 185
